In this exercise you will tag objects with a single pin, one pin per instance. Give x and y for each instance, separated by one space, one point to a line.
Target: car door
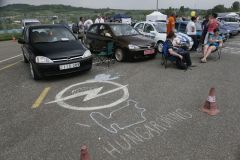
25 47
148 29
105 35
92 36
139 28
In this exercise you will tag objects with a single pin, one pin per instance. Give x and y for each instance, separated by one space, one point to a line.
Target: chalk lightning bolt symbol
90 94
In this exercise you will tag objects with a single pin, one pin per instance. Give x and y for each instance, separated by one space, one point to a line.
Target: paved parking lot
132 110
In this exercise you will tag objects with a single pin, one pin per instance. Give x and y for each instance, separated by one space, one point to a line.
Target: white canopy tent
156 16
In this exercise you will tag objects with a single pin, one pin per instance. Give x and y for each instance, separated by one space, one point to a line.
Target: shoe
203 60
193 65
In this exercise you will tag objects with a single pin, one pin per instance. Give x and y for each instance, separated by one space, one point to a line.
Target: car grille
67 59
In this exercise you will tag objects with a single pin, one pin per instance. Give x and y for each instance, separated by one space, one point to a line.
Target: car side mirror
21 41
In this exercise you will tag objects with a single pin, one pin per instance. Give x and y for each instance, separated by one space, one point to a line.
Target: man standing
204 28
81 28
171 23
99 19
192 32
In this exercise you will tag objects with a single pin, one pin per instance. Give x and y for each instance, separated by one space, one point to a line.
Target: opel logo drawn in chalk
64 100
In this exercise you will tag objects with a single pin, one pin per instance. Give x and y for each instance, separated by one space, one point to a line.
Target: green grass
9 36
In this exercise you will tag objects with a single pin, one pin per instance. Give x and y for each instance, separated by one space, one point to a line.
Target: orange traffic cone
84 153
210 105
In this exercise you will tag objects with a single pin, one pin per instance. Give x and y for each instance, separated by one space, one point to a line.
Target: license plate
150 51
69 66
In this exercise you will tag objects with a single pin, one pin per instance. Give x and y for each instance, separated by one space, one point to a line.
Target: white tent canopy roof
156 16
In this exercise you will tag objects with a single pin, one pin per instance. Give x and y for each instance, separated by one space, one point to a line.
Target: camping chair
105 55
218 50
166 56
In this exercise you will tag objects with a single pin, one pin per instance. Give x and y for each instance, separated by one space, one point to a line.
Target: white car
28 22
158 32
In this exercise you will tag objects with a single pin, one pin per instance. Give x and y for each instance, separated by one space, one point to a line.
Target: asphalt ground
133 110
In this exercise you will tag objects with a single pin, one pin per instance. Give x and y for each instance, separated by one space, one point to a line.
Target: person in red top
171 23
212 25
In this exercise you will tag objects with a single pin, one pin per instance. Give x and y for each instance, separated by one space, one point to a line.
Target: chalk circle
68 106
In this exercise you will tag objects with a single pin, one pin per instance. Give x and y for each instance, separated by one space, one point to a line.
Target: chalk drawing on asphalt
115 120
90 94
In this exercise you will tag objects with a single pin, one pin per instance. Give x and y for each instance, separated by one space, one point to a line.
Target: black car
53 50
128 43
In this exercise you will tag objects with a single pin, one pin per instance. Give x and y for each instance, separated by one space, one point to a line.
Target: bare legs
206 52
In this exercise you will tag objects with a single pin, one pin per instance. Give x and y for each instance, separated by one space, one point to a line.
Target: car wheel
160 46
119 55
34 74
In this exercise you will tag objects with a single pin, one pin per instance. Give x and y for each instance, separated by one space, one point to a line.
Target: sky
128 4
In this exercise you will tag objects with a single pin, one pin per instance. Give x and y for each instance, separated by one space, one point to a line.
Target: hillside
64 13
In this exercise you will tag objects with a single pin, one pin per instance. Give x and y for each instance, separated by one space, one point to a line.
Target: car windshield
161 27
123 30
50 34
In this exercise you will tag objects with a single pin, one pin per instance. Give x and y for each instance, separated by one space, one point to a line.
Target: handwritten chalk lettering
124 144
151 130
143 135
184 114
146 131
176 116
112 150
133 137
163 122
157 126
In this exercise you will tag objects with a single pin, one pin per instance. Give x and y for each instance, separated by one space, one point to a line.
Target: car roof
46 26
110 23
152 22
30 20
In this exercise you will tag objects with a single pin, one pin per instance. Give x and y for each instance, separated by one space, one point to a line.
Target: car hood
61 49
138 40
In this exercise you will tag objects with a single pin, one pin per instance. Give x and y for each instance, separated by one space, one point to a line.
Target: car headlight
86 54
132 46
42 59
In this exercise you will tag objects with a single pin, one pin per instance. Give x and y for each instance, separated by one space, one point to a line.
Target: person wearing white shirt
192 32
99 19
87 24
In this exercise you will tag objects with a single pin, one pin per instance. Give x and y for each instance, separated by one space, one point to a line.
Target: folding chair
219 52
106 54
166 56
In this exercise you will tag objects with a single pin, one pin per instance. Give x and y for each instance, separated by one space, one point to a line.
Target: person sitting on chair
182 56
214 42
